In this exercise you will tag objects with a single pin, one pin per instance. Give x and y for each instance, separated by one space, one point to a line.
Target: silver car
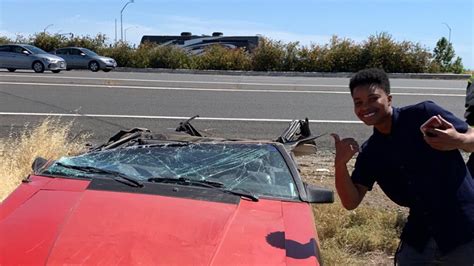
78 57
25 56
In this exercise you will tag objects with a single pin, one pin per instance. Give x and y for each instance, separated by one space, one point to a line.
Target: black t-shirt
435 185
469 102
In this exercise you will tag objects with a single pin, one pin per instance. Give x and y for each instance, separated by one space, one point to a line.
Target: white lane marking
220 82
176 117
219 90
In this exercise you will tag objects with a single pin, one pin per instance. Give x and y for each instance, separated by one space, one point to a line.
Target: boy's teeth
369 115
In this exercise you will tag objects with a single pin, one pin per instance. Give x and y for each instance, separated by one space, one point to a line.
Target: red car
156 199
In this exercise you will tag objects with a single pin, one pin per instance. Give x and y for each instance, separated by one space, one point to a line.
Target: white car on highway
25 56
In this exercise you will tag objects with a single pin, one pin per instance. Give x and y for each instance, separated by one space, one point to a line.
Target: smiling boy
421 170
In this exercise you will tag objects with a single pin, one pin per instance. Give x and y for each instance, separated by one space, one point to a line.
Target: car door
5 56
64 54
21 57
81 60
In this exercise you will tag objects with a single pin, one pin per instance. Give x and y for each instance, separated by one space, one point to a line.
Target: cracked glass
257 168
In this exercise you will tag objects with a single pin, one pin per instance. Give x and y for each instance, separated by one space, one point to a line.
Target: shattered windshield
256 168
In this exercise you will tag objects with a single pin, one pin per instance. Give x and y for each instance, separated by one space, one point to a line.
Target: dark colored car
167 199
83 58
25 56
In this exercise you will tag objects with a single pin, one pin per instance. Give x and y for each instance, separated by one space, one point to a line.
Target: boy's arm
446 137
350 194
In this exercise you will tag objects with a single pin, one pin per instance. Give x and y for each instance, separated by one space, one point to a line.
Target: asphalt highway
229 106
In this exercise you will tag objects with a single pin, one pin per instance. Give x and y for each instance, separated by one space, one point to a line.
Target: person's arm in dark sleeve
447 132
447 137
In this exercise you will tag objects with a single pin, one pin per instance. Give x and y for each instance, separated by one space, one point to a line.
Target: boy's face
372 105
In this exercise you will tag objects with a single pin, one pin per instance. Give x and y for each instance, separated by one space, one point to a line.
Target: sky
305 21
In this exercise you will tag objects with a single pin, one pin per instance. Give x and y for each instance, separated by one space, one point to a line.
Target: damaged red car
167 199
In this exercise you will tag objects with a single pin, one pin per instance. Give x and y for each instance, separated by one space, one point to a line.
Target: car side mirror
25 52
83 54
38 164
318 194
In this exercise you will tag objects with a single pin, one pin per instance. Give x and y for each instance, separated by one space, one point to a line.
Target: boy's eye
357 103
373 99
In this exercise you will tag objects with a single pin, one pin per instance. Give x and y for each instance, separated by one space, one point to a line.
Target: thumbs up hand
345 148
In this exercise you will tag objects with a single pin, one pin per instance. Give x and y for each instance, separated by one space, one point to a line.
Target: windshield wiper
204 183
119 177
186 181
242 193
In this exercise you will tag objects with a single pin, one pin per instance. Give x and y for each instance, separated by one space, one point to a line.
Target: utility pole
121 18
125 32
45 28
449 39
115 30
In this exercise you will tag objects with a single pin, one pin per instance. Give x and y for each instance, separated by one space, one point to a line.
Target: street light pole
449 39
125 32
45 28
121 15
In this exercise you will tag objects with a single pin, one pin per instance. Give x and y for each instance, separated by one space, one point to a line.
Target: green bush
290 56
339 55
169 57
311 58
140 57
217 57
122 53
381 51
457 67
48 42
5 40
268 56
416 58
342 55
93 43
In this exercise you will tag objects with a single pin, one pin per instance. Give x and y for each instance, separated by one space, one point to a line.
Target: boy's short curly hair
370 76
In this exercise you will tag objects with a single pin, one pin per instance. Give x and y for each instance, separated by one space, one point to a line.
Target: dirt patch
318 169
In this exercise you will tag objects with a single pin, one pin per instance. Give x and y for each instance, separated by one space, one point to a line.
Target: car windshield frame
88 52
259 168
34 49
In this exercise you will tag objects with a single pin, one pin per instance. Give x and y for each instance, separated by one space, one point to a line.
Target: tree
443 56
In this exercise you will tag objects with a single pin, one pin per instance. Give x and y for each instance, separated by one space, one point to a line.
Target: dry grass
365 236
50 139
357 237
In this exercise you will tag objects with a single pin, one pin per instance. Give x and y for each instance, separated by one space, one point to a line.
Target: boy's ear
389 98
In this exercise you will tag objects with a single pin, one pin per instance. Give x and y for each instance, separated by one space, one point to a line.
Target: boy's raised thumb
336 137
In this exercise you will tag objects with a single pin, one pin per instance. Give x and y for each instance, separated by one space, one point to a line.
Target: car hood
63 221
49 56
103 58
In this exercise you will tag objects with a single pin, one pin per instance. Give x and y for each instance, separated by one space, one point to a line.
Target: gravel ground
318 169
